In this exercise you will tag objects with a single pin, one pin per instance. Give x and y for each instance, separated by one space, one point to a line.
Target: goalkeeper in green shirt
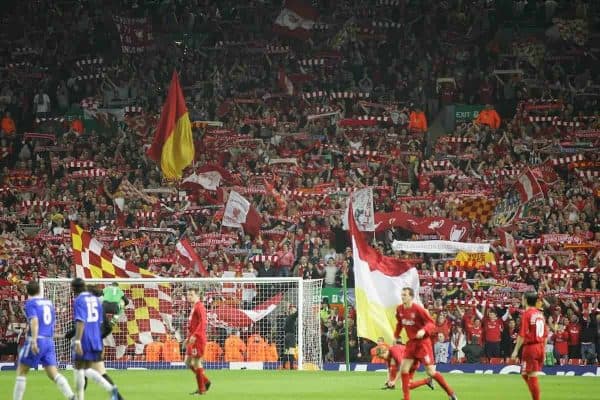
114 301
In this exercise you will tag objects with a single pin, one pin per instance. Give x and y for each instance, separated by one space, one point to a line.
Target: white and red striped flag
528 186
188 258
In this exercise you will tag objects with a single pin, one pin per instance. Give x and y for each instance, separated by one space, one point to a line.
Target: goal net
253 323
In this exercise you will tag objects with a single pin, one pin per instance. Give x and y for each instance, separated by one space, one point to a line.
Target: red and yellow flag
173 144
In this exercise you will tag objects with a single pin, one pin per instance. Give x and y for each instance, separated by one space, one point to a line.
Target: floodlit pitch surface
283 385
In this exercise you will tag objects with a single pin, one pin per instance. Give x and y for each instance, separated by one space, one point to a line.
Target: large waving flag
188 257
208 177
229 316
148 318
240 213
296 19
92 260
446 228
173 144
362 206
528 186
379 281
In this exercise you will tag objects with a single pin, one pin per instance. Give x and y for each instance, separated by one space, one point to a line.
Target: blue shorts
88 355
46 355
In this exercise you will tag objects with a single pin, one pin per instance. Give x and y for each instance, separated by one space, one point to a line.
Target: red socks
405 385
419 383
534 387
393 373
201 380
442 382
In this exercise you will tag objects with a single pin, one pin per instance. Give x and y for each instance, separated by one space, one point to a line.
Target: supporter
417 121
457 342
492 334
7 126
509 338
473 352
561 346
441 349
574 330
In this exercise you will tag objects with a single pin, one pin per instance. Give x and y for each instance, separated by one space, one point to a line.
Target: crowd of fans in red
234 69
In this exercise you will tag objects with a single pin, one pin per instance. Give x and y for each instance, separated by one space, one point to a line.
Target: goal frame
300 298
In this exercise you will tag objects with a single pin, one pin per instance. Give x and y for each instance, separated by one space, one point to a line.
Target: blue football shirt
43 310
88 309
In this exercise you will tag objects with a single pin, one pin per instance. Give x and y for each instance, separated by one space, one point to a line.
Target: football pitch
283 385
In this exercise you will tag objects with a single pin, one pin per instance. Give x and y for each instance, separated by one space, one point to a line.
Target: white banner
236 210
362 204
439 246
291 160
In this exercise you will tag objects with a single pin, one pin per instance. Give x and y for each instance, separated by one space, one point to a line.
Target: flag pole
346 335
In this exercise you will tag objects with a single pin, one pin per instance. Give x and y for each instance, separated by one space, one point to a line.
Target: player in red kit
196 340
419 327
393 357
532 336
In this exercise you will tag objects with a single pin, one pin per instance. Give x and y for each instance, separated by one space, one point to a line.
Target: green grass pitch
284 385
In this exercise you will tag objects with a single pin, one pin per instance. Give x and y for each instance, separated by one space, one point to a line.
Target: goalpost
150 331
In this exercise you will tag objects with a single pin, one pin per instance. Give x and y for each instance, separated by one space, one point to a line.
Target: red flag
253 222
446 228
188 258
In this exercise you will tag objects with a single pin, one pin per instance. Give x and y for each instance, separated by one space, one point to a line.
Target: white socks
99 379
79 383
19 390
63 386
60 381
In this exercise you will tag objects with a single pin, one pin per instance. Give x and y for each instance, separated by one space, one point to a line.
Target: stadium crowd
304 123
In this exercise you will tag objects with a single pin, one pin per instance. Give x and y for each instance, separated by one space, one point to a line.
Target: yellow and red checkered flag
477 209
147 320
92 260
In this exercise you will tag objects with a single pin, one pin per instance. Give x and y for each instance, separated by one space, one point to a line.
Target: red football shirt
475 335
198 323
561 342
413 319
533 327
492 330
574 331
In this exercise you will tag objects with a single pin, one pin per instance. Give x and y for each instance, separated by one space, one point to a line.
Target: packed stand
305 122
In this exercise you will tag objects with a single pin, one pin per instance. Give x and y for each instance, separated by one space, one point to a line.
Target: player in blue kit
39 344
88 317
106 329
